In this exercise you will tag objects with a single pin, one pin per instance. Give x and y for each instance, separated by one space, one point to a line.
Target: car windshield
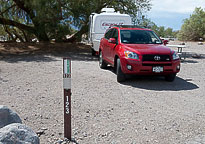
139 37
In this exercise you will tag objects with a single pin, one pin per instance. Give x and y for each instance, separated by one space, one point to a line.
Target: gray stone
7 116
40 132
18 134
196 55
200 43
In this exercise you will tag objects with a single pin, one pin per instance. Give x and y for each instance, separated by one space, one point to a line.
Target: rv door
90 37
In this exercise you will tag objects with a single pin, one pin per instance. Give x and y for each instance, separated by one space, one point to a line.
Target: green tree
147 23
2 31
161 31
169 32
33 17
193 27
54 19
82 9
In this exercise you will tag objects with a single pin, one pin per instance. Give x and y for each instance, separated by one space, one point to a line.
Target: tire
102 63
120 75
170 78
93 52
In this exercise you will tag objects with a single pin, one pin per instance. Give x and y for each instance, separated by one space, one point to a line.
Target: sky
171 13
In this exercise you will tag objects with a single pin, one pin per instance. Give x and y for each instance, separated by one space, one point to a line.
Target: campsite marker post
67 97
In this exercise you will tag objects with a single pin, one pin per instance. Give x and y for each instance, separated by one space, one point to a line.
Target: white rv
99 23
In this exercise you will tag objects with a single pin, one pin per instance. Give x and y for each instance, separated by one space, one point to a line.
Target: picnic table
179 50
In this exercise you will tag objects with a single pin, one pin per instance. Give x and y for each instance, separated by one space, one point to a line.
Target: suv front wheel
170 77
120 75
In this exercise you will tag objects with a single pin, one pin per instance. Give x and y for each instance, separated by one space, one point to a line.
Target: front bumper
145 68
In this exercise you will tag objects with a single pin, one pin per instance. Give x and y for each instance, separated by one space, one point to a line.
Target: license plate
157 69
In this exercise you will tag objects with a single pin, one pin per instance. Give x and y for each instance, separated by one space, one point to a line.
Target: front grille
157 64
160 58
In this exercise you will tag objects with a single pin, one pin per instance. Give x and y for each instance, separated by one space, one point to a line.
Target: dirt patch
143 110
41 48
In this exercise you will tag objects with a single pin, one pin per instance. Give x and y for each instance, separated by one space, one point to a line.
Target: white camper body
99 23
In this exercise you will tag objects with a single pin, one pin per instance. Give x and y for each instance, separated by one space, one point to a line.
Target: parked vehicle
134 50
99 23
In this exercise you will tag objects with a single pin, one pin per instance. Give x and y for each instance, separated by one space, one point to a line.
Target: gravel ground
142 110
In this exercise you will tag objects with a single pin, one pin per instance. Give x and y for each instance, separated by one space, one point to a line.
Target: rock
26 118
59 142
200 43
60 133
44 129
7 116
85 134
64 141
18 133
40 132
196 55
183 43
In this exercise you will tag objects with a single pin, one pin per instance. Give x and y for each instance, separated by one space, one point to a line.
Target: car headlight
131 55
175 56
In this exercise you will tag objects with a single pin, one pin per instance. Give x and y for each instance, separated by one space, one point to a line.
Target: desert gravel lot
142 110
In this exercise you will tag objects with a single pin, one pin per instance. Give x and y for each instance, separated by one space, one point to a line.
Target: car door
106 45
112 46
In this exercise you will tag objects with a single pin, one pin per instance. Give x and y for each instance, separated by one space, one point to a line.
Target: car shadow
27 58
157 83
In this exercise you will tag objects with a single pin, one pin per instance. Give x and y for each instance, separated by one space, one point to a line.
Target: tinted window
139 37
108 34
115 34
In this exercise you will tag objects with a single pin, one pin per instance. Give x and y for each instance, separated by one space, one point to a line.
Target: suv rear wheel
93 52
102 63
120 75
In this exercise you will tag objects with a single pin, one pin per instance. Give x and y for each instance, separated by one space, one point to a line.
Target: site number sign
67 66
66 73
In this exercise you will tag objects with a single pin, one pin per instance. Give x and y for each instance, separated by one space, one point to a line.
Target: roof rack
127 26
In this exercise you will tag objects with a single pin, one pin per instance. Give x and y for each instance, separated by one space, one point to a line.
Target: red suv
139 51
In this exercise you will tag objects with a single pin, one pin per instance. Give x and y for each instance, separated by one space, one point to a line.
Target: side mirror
112 40
165 42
